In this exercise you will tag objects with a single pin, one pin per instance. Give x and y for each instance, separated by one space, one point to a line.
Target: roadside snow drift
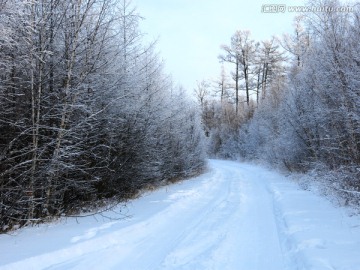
237 217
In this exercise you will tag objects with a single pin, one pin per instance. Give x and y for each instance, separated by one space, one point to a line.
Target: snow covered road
237 216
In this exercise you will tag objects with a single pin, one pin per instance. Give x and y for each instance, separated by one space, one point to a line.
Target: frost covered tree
310 121
259 68
270 62
84 103
297 43
222 85
241 53
60 49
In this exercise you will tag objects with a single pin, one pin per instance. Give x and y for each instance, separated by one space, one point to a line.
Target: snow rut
237 216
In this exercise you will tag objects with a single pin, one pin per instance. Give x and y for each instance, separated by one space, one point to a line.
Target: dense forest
292 101
87 112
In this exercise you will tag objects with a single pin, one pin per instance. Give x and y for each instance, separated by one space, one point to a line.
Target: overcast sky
190 32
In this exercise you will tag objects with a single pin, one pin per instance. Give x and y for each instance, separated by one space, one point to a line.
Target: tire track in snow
236 217
206 224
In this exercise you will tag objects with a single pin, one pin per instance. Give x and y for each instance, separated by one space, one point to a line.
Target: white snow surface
236 216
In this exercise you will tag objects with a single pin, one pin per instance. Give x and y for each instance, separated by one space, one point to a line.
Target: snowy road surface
236 216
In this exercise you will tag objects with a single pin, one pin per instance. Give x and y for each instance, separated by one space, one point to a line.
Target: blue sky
190 32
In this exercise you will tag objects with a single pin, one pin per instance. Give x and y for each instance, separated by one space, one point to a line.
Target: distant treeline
300 107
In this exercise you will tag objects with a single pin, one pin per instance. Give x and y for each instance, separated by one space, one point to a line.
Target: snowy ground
237 216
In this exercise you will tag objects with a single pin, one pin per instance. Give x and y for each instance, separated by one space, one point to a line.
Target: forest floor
235 216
